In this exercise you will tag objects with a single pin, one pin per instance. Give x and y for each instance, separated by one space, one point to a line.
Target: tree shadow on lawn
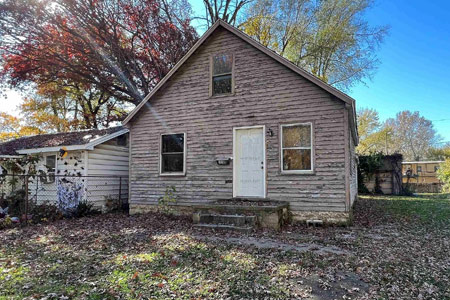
151 256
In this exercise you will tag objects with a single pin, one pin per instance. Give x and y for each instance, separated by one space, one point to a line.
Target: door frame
235 129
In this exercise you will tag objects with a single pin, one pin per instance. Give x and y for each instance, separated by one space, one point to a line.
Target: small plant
5 222
164 202
112 203
84 209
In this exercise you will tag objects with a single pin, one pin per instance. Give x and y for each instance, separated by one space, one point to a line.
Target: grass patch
425 209
153 257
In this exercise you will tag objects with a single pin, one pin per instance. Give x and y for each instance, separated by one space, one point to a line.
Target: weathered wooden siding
266 93
353 173
106 163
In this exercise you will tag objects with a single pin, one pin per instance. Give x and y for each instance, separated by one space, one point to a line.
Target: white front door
249 162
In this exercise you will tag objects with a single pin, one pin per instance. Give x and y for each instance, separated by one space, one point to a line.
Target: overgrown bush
444 175
367 167
45 212
15 202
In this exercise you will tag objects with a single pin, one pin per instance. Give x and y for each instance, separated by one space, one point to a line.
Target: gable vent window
173 154
296 148
222 74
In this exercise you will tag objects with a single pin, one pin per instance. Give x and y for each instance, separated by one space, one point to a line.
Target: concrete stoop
241 223
241 215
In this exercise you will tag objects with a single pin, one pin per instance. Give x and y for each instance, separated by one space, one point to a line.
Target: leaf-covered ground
398 248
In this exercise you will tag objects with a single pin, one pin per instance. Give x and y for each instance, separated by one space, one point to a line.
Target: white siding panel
106 163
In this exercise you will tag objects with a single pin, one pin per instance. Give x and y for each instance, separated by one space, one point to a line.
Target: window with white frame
222 74
173 153
50 165
296 148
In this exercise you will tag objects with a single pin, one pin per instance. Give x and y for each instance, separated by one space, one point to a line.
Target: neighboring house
94 161
235 120
421 171
422 175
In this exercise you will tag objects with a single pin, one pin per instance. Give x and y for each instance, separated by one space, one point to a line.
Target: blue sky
415 70
415 62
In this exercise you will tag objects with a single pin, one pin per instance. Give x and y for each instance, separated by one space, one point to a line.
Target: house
235 120
422 175
95 161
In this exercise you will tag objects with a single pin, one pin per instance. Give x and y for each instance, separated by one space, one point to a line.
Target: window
296 148
173 153
50 164
419 168
222 74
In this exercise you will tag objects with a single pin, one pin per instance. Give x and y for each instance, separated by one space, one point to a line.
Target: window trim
161 173
48 174
311 171
211 74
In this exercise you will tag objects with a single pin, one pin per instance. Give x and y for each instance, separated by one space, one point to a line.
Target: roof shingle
55 140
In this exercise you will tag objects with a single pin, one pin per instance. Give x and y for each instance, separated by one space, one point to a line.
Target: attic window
222 74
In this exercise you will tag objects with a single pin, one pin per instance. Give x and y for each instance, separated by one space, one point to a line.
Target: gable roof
76 140
332 90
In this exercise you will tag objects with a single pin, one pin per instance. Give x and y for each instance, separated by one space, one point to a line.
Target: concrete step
235 220
244 229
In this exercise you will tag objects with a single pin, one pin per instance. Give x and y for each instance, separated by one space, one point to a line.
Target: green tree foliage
444 174
439 153
331 39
